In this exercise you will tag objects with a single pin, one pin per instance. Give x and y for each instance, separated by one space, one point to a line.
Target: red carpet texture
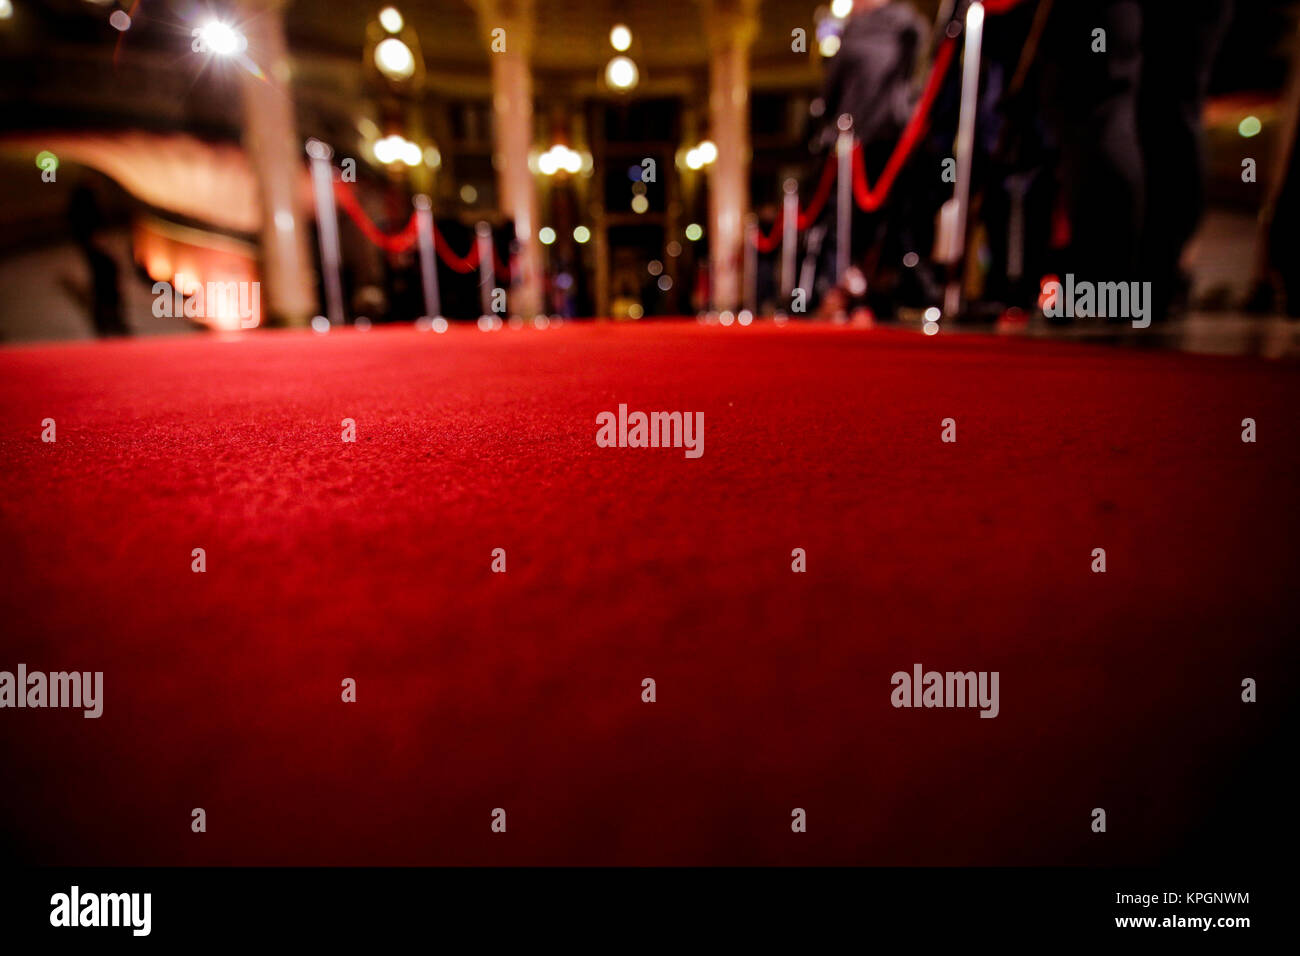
328 560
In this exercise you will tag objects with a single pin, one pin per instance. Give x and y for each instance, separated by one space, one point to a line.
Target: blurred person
86 221
1132 140
1015 156
1277 244
871 79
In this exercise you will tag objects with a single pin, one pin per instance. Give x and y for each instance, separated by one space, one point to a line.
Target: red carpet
521 690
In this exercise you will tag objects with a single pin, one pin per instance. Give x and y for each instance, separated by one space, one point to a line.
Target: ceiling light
621 73
394 59
220 38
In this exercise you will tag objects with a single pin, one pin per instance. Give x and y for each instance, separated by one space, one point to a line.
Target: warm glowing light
829 45
398 149
391 20
159 269
620 38
1250 126
621 73
693 160
394 59
634 311
707 151
640 204
581 234
559 157
221 38
840 9
468 194
120 21
432 158
694 232
6 9
546 235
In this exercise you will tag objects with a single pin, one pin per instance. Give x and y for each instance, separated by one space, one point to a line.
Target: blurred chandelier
394 59
621 74
559 157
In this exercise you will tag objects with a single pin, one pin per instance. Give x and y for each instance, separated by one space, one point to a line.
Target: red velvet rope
995 7
398 242
867 198
808 215
467 263
408 235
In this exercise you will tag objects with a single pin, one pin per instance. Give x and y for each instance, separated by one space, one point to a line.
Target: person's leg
1178 47
1101 163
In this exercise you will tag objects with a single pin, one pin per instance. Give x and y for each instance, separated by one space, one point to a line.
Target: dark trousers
1133 151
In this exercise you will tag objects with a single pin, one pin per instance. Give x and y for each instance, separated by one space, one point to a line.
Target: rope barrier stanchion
812 250
844 163
486 262
454 262
965 148
428 267
751 263
820 194
789 236
327 226
844 200
396 243
870 199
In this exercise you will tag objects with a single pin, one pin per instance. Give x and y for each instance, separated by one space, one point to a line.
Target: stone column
276 155
729 27
512 113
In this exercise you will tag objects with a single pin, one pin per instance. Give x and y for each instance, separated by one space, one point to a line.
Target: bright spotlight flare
620 38
220 39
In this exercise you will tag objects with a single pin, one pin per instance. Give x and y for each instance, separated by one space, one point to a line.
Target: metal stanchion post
486 267
789 237
751 263
844 196
970 79
327 227
428 264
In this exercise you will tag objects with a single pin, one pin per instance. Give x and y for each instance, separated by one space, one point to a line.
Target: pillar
729 28
512 114
276 155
